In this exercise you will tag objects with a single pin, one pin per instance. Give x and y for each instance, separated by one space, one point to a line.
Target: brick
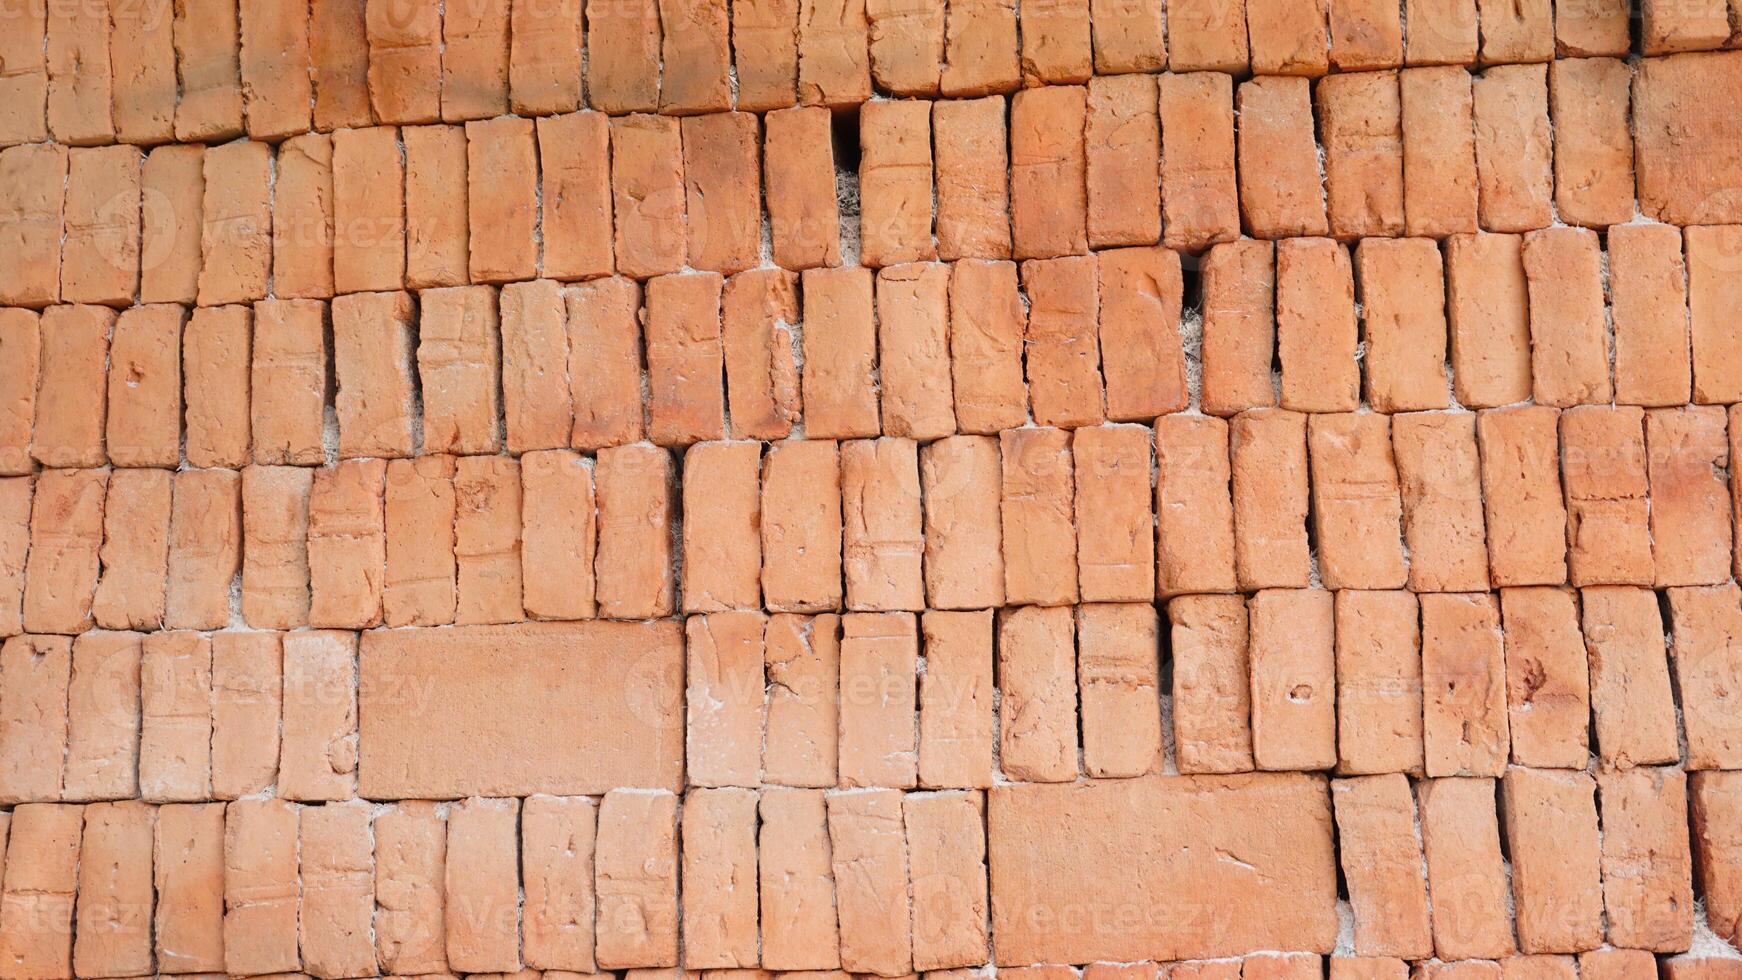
1712 287
1513 145
112 929
79 80
1199 195
502 199
302 229
1464 970
1193 506
633 564
802 666
544 60
799 928
274 557
1360 117
762 394
799 167
15 504
882 542
839 354
1357 506
1716 801
337 905
347 544
963 556
869 853
1665 28
487 506
36 673
1269 477
686 401
765 53
558 537
913 357
369 210
955 705
604 363
172 201
236 223
481 873
1522 496
1316 330
636 879
26 85
1140 298
247 704
1379 691
723 180
1403 323
475 57
1688 457
1122 138
1365 35
1207 36
1440 186
801 533
1048 203
695 61
1382 862
1603 461
1281 185
1038 739
1570 354
574 162
973 195
404 63
879 661
895 182
457 356
100 255
207 56
1464 693
1118 675
71 414
1593 27
1064 373
274 61
1212 691
1631 705
1517 33
1616 964
986 343
1055 43
1551 832
1669 136
623 44
1128 38
1736 486
719 877
411 844
946 851
66 534
1443 32
175 729
1116 540
135 552
834 61
437 225
216 364
261 887
724 699
1054 870
1460 835
21 346
1293 694
1545 966
556 864
1287 38
1648 309
205 548
372 361
319 759
1647 866
1704 622
141 54
32 182
980 48
537 364
1239 331
1488 307
144 414
1593 163
647 185
1547 679
37 912
1038 490
419 583
102 726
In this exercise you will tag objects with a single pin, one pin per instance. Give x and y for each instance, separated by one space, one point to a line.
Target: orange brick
338 39
71 414
236 224
175 721
1547 679
1442 32
1140 297
1204 35
684 359
102 724
723 178
1712 288
1199 195
25 89
1522 496
502 199
79 80
544 59
1038 492
21 347
799 929
1670 135
623 42
1281 186
636 879
373 363
1118 677
955 705
302 227
135 552
66 532
1551 830
575 195
404 73
1544 966
556 859
333 844
1115 526
207 63
840 354
1316 328
1368 968
765 53
1287 38
482 924
719 877
946 844
635 540
1048 202
172 190
882 543
647 185
762 392
973 197
1239 331
1212 686
1617 964
215 379
879 660
1648 308
722 556
1592 27
112 930
1460 835
475 59
801 557
1513 144
1357 508
963 558
1440 189
36 672
1667 28
100 254
1513 33
802 665
144 413
15 500
869 854
834 61
205 548
1037 678
410 869
419 582
274 61
1061 349
1705 620
1633 710
1603 464
1365 35
1688 457
558 538
1404 323
32 183
1268 448
247 704
1122 138
1055 43
319 760
1570 354
1647 867
487 508
1593 158
1293 658
725 705
799 164
986 338
1464 725
1715 806
436 222
1382 862
457 356
1193 506
604 362
369 245
275 570
347 544
37 914
1488 308
260 886
895 181
694 62
1379 709
907 46
913 336
1360 116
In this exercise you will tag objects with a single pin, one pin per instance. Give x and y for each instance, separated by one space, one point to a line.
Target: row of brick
1427 151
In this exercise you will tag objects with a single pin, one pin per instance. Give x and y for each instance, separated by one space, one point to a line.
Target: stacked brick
1077 491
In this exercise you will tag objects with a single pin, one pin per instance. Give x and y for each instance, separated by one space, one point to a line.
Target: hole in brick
844 135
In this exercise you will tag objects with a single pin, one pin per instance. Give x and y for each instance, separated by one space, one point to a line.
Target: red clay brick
1379 710
1048 189
1547 679
1593 156
1122 139
404 74
973 195
1357 509
647 186
1037 678
1712 288
337 866
1056 47
987 321
1513 33
963 559
1038 492
635 511
142 55
765 53
722 526
1382 862
801 530
1442 32
1592 27
869 854
15 500
502 198
175 720
275 570
1464 727
1115 526
723 177
946 846
475 59
21 347
1617 964
410 868
1705 621
1269 452
687 401
1360 119
205 548
719 878
955 710
1060 341
1404 323
1212 687
457 356
895 181
725 705
37 914
274 61
347 544
487 506
1688 457
338 40
1514 177
1207 36
373 363
1552 837
79 80
247 696
575 221
144 413
544 60
319 760
172 191
1294 720
302 227
1522 496
1199 197
1239 332
840 354
636 879
1365 35
1716 804
102 726
913 356
236 224
623 42
1118 675
799 165
1287 38
694 62
980 48
71 414
604 362
1460 835
1193 505
834 60
802 664
907 46
419 581
369 245
1649 315
261 888
799 928
1667 28
1440 189
882 543
36 672
762 387
66 533
556 858
1647 867
135 551
481 873
436 220
32 182
1488 307
215 347
1281 187
1368 968
1128 37
112 930
1603 464
557 515
1316 328
879 660
1140 296
1669 136
25 88
100 254
1632 708
1570 357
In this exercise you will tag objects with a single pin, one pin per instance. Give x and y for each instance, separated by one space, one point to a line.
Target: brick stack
1205 490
